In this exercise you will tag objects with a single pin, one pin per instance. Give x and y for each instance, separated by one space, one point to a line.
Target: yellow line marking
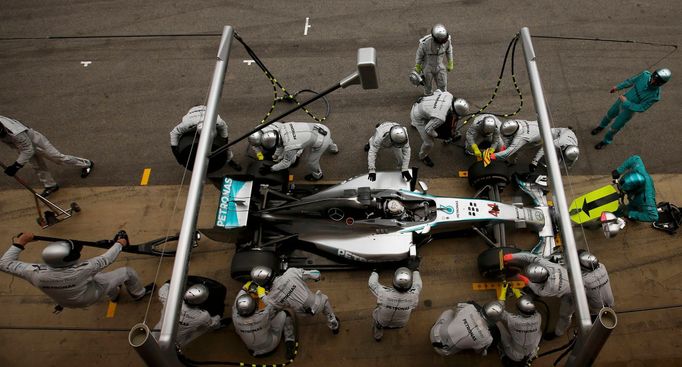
145 176
111 310
463 173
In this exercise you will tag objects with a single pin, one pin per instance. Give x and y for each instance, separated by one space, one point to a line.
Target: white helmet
61 254
261 275
196 294
461 106
269 139
610 224
571 154
256 138
395 207
415 78
587 260
398 135
402 279
536 273
509 127
526 305
488 125
439 33
246 305
492 311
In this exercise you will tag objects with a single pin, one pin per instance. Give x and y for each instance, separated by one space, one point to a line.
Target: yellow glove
477 152
260 156
451 65
503 292
486 157
517 293
418 68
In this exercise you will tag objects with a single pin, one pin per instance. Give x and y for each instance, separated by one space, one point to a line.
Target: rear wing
233 204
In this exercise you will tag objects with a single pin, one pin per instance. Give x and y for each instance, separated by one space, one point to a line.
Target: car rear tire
244 261
489 263
495 173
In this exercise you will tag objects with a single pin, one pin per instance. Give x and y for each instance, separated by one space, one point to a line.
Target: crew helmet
461 106
196 294
571 153
526 305
509 127
632 181
395 207
488 125
269 139
492 311
402 279
246 305
661 76
261 275
439 33
415 78
536 273
256 138
398 135
61 254
610 224
587 260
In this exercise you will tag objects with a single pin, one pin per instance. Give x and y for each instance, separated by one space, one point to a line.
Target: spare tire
187 152
496 173
244 261
489 263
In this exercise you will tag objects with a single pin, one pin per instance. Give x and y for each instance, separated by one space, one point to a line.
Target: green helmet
661 76
632 181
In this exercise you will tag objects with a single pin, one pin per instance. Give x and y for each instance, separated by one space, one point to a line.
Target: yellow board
590 206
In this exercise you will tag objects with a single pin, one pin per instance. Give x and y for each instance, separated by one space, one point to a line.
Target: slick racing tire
187 152
489 263
244 261
496 173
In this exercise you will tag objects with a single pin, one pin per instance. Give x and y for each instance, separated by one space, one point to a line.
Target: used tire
244 261
187 152
495 173
489 263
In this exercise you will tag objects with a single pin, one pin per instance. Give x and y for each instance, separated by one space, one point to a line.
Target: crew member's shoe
335 325
85 172
310 177
236 166
147 290
291 349
600 145
49 190
596 130
378 332
367 147
427 161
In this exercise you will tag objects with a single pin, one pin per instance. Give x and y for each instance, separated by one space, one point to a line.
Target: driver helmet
536 273
395 208
632 182
461 106
245 305
509 127
398 136
261 275
492 311
525 305
488 125
270 139
402 279
439 33
61 254
587 260
196 294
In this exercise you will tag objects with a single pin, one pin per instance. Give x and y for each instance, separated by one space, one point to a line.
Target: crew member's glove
615 174
265 170
407 176
12 169
477 152
418 68
507 258
451 65
432 133
122 235
224 322
613 89
532 167
260 156
413 263
372 176
503 292
523 278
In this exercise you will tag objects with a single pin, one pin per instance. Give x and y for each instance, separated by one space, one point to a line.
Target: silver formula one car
362 223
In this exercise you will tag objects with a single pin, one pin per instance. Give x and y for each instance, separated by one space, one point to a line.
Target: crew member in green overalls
636 182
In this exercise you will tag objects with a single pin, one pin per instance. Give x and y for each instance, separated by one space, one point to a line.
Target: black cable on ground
288 97
191 363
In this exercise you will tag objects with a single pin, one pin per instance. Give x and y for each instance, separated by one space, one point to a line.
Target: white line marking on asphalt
86 63
305 29
248 62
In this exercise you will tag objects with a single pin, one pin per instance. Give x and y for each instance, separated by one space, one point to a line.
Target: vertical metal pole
140 338
589 347
559 196
189 220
